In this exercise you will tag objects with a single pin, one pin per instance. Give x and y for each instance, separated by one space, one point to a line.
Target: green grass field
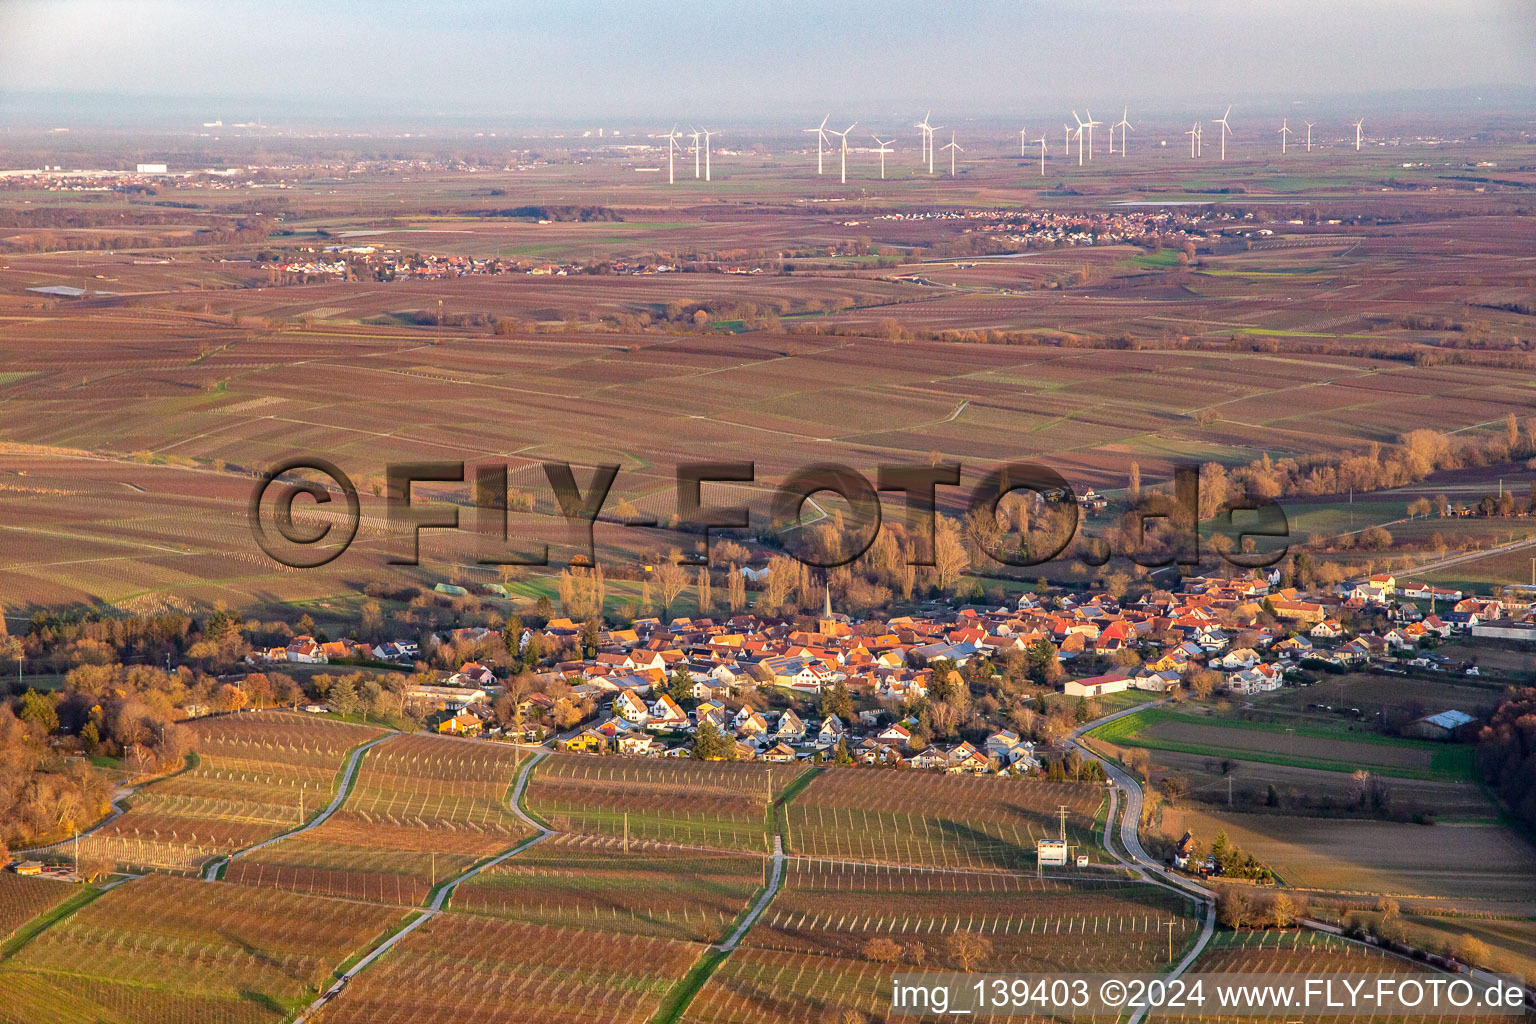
1324 747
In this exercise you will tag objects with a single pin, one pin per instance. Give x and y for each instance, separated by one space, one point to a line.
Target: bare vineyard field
1308 954
590 882
806 958
468 969
162 950
253 774
833 910
422 809
694 803
22 899
937 820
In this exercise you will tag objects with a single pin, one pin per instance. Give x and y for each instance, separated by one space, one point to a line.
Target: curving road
349 773
1127 795
441 896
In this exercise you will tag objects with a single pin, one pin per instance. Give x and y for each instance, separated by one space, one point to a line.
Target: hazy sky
568 58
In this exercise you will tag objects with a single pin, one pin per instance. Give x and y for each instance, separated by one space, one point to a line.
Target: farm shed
1447 725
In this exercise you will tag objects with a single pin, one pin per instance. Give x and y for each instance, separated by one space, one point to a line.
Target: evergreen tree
343 696
838 701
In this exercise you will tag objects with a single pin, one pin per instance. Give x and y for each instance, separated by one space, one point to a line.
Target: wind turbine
671 138
953 149
706 135
1022 142
1081 124
821 138
698 169
1359 126
843 135
885 147
1066 140
1225 129
931 129
1284 131
1124 127
1089 124
1041 140
927 137
1194 138
1309 136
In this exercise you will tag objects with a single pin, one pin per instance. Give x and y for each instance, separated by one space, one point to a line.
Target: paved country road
1128 795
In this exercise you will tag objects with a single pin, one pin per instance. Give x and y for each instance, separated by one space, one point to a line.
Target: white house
1328 629
790 729
629 707
665 714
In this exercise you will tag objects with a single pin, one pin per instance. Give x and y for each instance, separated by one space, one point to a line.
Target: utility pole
77 853
1169 926
1061 809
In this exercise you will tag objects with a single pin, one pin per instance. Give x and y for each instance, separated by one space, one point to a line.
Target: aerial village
954 689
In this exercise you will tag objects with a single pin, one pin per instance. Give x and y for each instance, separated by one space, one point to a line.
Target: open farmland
693 803
1513 941
1206 777
937 820
808 957
1411 862
468 969
253 774
163 950
131 433
593 883
422 810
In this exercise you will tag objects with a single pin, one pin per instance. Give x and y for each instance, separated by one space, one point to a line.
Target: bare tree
967 950
949 555
672 578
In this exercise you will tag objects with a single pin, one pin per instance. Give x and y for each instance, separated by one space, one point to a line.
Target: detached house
1243 657
790 729
1009 750
831 731
1328 629
665 714
1258 679
966 758
630 708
